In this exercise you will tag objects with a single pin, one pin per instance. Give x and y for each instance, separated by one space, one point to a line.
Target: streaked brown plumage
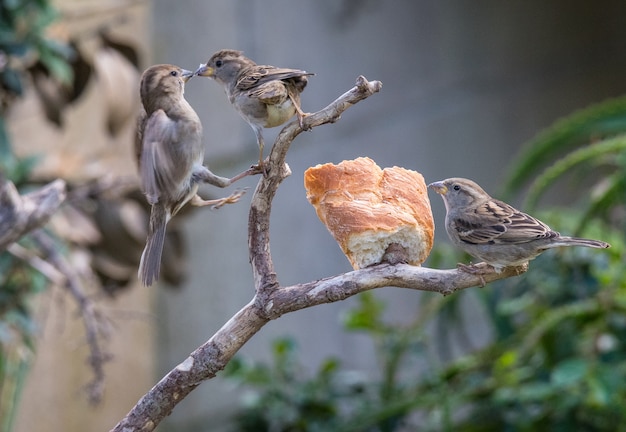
265 96
170 154
495 232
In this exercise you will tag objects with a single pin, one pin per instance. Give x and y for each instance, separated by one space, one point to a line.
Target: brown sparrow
495 232
265 96
170 154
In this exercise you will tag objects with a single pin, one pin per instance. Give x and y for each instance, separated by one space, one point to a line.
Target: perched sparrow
265 96
495 232
170 154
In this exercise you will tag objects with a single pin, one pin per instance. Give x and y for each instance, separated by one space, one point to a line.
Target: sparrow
170 155
265 96
495 232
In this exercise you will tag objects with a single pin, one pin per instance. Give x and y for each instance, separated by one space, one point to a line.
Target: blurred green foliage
588 149
556 356
23 42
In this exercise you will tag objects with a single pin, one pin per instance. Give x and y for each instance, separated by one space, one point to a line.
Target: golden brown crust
366 209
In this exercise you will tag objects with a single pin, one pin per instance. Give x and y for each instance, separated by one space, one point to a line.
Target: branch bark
21 214
271 300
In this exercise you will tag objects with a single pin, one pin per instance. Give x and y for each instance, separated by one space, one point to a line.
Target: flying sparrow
170 154
265 96
495 232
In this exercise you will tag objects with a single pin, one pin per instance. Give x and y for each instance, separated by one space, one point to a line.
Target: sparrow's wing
523 227
157 172
272 92
258 75
142 119
495 222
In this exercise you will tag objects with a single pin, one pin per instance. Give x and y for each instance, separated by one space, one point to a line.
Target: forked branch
21 214
271 300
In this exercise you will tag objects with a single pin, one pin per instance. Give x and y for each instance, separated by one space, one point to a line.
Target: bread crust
367 209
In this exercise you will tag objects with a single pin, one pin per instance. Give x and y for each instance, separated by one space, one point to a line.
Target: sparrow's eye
174 73
219 63
456 187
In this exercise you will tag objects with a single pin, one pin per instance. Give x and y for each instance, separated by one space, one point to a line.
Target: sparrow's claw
256 169
231 199
262 167
301 115
474 270
217 203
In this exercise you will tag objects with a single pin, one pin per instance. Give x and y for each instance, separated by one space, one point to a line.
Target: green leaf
567 163
6 151
57 65
535 391
506 360
531 392
569 372
599 394
620 298
598 121
367 315
602 201
11 4
7 158
12 80
283 347
329 366
23 168
14 47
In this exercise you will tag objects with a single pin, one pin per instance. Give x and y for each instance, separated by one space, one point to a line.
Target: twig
59 272
42 266
271 300
22 214
92 322
107 186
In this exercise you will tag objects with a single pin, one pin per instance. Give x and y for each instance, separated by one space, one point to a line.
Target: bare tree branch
21 214
213 355
94 324
271 300
337 288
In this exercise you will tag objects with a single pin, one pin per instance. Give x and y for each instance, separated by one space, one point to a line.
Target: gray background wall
465 83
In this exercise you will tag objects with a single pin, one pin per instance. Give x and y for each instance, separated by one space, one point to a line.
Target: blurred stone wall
464 84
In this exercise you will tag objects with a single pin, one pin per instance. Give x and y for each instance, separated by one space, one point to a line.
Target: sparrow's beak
187 75
439 187
205 71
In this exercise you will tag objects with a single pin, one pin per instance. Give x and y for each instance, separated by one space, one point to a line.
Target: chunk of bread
374 214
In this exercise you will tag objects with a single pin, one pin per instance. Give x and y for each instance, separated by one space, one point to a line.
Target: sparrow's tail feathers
150 264
575 241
